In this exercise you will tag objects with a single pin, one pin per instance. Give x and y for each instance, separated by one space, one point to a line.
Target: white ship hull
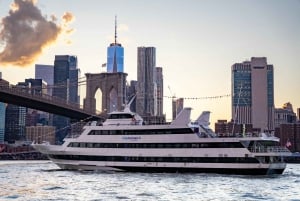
122 144
225 160
221 168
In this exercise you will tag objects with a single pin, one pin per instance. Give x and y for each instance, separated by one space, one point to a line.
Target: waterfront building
66 75
146 104
15 123
40 134
289 134
226 129
284 115
253 93
115 55
15 119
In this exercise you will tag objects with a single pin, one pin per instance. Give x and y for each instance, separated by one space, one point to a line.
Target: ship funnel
203 119
183 118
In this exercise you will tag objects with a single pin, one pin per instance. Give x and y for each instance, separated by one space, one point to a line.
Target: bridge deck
24 97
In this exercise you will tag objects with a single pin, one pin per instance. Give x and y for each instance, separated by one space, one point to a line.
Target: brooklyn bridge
27 97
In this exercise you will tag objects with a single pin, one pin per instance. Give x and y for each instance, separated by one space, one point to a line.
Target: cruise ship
123 143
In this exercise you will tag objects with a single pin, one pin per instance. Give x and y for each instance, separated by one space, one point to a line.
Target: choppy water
36 180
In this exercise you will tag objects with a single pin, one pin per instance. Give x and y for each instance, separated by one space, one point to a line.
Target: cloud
68 17
26 32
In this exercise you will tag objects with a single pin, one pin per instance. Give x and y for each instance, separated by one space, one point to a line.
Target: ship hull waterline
234 169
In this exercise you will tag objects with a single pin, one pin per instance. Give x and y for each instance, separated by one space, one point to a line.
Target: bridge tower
113 88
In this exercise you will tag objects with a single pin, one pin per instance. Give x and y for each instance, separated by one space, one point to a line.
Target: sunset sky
196 43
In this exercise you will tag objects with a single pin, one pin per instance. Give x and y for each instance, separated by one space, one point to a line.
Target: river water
43 180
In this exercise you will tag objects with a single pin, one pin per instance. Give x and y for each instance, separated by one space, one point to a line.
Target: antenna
115 29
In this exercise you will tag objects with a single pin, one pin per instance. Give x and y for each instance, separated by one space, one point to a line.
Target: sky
197 42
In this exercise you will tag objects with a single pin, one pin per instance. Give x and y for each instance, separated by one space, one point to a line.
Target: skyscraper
46 73
160 90
2 113
115 55
66 75
15 123
2 121
253 93
146 104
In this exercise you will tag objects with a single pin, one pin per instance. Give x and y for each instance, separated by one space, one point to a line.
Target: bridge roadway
43 102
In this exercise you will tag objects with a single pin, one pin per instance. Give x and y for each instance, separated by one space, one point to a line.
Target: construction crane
172 94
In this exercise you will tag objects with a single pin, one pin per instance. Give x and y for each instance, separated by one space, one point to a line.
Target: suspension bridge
27 97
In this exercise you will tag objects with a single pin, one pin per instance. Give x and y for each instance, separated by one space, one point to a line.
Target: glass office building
253 93
15 123
46 73
115 58
115 55
66 75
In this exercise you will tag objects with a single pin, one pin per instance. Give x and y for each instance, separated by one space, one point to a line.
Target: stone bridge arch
113 88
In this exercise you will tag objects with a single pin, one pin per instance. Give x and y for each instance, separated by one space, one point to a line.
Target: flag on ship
288 143
2 147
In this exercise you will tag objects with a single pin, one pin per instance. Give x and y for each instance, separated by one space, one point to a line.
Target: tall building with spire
115 55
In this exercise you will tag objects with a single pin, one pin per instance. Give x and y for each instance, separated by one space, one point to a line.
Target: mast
237 108
115 29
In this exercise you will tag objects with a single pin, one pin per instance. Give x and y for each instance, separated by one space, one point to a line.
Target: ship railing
76 129
269 149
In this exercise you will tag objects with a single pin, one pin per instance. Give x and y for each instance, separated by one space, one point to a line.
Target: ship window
104 132
92 133
120 116
74 144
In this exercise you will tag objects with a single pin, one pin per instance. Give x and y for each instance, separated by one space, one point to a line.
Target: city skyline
197 42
